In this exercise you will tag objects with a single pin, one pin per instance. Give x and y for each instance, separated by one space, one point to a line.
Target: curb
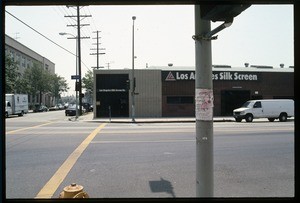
191 120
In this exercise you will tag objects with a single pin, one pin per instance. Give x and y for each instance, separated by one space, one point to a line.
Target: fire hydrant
73 191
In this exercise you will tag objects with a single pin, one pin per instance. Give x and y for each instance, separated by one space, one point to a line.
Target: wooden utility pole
97 49
78 25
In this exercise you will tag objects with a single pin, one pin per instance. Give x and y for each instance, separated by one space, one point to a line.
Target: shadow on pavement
162 185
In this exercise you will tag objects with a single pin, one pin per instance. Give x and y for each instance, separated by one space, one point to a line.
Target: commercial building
25 58
170 91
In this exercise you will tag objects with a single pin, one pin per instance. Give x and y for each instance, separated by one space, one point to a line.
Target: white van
16 104
267 108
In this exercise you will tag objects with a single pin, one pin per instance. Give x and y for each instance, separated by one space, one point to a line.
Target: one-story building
170 91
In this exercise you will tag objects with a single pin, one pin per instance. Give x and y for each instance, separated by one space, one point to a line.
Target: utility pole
108 64
204 88
203 108
78 25
132 73
97 49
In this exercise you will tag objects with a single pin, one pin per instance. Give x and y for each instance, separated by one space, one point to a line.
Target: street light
74 37
133 78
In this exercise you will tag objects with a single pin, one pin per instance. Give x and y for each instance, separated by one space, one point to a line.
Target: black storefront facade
112 95
167 92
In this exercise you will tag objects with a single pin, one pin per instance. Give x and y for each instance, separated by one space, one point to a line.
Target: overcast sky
261 35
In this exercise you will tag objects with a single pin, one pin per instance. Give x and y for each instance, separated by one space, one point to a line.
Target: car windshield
247 104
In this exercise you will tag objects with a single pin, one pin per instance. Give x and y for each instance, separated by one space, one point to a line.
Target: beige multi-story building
25 58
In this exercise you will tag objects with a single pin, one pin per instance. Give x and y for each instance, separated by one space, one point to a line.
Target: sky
162 35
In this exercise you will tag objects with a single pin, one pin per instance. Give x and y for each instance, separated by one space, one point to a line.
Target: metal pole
79 60
133 79
109 112
76 79
204 108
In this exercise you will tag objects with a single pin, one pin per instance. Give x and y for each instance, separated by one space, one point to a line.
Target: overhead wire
40 33
71 22
45 36
94 29
93 22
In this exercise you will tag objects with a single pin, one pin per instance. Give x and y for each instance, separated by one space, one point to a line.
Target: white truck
266 108
16 104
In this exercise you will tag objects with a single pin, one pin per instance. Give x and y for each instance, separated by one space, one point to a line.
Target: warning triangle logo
170 77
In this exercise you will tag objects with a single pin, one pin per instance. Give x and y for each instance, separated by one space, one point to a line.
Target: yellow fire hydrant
73 191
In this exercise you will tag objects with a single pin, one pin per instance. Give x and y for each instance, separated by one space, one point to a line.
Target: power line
40 33
45 37
93 22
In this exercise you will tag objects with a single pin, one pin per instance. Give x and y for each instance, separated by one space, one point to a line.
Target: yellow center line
21 129
51 186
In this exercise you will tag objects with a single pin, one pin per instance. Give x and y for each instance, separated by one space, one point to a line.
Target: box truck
16 104
266 108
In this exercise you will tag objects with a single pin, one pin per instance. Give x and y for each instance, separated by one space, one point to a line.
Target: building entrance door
232 99
112 96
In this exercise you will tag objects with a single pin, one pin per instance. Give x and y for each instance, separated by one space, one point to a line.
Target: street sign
75 77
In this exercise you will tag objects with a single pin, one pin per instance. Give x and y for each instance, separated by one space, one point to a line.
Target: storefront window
180 100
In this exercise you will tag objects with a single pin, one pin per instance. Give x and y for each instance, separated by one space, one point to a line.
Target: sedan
40 108
71 110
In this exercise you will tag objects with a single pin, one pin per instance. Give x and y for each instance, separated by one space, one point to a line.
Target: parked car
61 107
40 108
53 108
71 110
87 106
66 105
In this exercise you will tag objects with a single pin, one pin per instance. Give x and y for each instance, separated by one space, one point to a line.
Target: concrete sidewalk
89 118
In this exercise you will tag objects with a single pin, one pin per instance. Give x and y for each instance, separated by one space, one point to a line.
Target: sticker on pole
204 101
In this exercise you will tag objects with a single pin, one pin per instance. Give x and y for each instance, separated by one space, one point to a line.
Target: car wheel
283 117
249 118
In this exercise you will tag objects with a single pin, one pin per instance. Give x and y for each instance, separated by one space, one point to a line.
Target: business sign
178 75
216 76
111 90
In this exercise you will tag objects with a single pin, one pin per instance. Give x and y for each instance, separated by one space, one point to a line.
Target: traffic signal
77 86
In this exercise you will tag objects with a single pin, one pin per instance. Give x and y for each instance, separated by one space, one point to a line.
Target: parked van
267 108
16 104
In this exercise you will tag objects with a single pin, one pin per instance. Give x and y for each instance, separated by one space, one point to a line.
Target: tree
37 80
88 82
12 75
57 86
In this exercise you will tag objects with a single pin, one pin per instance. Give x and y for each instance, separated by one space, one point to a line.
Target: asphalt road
46 152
